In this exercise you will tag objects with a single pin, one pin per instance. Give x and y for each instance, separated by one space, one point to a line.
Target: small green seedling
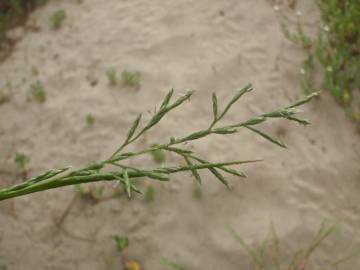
90 120
122 242
22 161
112 76
149 194
57 18
131 78
37 92
157 154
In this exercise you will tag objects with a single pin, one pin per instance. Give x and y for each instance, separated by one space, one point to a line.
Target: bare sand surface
207 46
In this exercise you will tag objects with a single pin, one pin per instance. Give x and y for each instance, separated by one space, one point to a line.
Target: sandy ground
204 45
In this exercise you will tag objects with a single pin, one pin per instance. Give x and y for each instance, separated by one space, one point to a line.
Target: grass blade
256 261
269 138
167 99
127 183
215 106
133 128
238 95
193 171
220 177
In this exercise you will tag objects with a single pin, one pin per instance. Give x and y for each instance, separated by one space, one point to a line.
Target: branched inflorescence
125 174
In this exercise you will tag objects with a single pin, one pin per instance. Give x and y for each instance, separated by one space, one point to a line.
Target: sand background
204 45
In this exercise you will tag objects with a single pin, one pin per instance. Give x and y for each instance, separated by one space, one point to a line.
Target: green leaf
299 120
122 242
304 100
41 177
232 171
215 106
127 183
167 99
193 171
94 167
48 174
325 230
281 113
161 113
133 127
225 130
122 181
181 99
244 245
236 97
266 136
219 176
196 135
254 121
178 150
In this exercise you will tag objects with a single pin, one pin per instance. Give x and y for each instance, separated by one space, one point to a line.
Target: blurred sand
204 45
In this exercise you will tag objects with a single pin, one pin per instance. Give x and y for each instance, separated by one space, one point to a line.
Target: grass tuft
334 52
57 18
122 242
131 78
267 255
37 92
112 76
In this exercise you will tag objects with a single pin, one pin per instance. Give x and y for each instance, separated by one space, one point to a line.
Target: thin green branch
124 175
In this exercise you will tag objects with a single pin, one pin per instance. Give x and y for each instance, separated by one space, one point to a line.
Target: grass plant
334 52
267 255
112 76
57 18
125 174
37 92
122 242
131 78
